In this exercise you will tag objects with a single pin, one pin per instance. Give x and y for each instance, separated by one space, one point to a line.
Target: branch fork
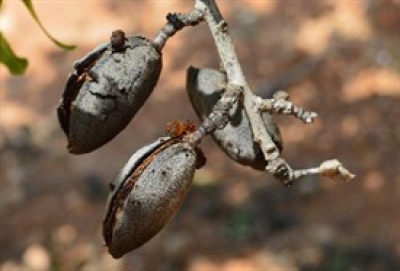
207 10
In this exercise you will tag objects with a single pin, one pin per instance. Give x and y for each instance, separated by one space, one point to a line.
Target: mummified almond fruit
205 87
107 88
147 192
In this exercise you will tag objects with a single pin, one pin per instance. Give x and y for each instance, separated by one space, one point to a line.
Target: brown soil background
346 60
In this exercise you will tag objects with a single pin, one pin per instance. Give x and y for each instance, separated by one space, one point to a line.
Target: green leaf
15 64
29 6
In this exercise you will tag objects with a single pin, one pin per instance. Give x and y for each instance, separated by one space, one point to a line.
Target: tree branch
253 107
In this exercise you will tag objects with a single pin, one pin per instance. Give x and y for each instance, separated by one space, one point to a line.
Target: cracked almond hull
116 88
155 197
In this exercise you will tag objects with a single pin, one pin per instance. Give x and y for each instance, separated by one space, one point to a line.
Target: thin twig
280 104
177 21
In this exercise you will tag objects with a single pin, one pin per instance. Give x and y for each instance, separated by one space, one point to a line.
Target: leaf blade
28 4
16 65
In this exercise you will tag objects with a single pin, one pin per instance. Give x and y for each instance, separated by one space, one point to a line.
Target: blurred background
339 58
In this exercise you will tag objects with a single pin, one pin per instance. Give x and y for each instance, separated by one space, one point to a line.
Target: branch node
281 95
176 22
223 26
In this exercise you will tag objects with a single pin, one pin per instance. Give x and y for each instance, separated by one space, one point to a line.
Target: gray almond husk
205 87
155 197
94 110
